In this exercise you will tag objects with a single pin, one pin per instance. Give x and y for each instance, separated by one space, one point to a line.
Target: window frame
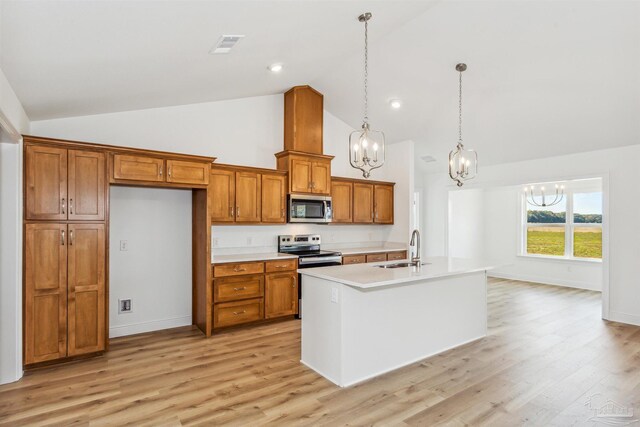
569 226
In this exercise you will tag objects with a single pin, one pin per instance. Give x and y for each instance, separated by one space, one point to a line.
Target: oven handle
319 259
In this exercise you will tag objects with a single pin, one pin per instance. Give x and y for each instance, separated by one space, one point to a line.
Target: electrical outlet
124 245
216 242
249 241
334 295
124 306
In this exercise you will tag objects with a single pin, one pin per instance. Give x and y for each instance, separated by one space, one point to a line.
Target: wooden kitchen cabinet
274 198
185 172
138 168
281 294
342 201
376 257
383 200
303 120
308 173
362 203
238 312
86 288
222 195
237 288
45 294
354 259
248 197
64 184
64 290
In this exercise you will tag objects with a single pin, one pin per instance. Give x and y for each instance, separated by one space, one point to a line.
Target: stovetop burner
304 246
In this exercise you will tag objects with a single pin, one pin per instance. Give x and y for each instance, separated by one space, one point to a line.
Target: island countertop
368 275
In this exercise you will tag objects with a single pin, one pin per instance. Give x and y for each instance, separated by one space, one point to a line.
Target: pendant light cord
366 70
460 107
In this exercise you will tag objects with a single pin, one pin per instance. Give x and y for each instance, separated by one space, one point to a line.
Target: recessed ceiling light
395 104
225 43
275 68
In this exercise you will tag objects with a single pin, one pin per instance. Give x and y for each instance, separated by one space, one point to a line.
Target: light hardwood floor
547 352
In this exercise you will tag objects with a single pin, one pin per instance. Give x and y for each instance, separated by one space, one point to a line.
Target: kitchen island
360 321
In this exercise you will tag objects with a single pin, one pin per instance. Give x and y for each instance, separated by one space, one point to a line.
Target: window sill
561 258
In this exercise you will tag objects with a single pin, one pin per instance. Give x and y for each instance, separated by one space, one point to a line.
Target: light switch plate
124 245
334 295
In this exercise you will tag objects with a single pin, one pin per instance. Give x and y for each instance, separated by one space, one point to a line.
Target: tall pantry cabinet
64 252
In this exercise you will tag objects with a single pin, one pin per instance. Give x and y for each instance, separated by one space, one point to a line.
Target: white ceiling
544 78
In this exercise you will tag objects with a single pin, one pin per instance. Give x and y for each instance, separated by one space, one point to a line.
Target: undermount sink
402 264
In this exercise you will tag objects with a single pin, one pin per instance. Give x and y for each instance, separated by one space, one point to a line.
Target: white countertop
371 249
369 276
222 259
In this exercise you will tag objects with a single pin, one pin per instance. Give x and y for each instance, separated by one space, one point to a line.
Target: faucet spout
415 240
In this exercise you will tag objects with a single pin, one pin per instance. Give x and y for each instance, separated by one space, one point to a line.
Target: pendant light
463 163
542 197
366 146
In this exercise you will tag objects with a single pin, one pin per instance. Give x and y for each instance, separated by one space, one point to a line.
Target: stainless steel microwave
312 209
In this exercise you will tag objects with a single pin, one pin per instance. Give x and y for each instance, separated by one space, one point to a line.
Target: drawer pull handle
281 266
240 289
238 313
64 205
71 206
239 269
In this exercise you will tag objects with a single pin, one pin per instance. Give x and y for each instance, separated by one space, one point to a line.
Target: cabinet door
182 172
342 201
46 183
362 202
300 178
86 293
383 196
248 193
222 195
86 185
281 295
274 198
321 177
45 316
138 168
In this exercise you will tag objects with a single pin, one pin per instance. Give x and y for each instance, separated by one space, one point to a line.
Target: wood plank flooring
546 354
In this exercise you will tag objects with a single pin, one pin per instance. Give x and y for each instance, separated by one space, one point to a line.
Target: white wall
244 132
620 213
466 224
502 229
155 271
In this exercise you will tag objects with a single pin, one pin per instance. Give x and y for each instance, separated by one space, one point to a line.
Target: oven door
311 209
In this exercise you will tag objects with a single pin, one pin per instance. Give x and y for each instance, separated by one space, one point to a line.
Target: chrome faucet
415 240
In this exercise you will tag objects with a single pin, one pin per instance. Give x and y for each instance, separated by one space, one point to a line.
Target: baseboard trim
544 281
631 319
151 325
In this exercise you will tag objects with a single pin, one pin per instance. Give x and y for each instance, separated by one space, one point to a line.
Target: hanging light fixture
531 198
463 163
366 146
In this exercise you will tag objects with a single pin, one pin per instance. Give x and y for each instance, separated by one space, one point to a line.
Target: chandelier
366 146
463 163
542 197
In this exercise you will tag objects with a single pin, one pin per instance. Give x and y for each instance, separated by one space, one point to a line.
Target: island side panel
390 327
321 327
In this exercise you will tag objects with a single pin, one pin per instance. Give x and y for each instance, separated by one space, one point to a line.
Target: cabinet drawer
237 269
237 288
394 256
282 265
376 257
237 313
354 259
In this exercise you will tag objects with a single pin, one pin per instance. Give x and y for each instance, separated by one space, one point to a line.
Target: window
571 229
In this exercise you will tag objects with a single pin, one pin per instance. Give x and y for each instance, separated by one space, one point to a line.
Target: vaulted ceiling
544 78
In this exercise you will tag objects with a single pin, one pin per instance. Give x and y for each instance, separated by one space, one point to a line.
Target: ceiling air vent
428 159
225 43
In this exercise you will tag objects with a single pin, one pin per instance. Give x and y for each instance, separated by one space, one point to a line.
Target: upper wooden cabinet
383 199
307 173
360 201
151 169
246 195
274 198
64 184
342 200
183 172
303 120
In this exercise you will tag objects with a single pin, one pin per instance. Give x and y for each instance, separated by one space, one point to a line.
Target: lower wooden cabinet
281 294
374 257
64 290
253 291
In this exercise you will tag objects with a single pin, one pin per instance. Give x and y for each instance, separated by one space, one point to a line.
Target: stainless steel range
307 248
